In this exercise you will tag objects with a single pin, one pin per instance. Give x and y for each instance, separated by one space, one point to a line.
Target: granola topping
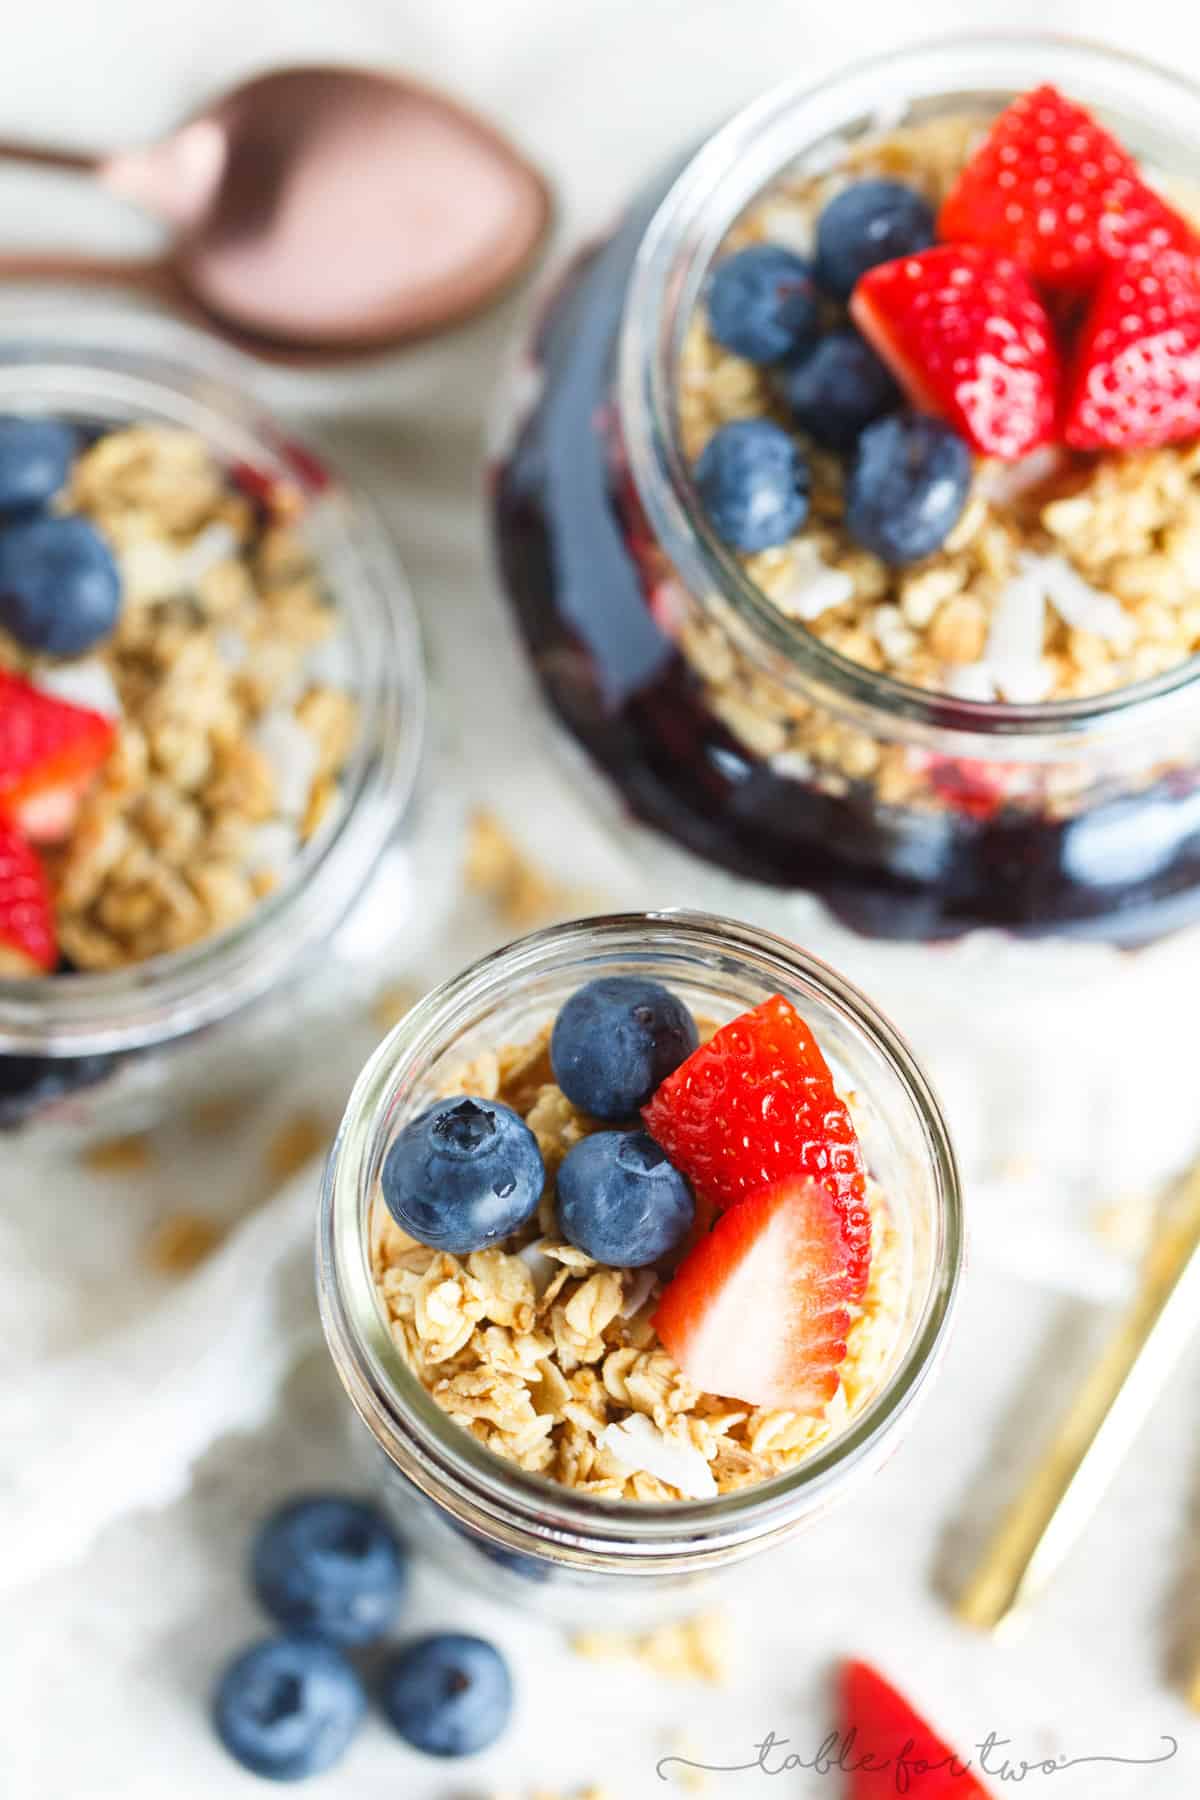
230 742
553 1361
1067 574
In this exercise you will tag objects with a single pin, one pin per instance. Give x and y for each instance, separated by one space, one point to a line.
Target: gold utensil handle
1048 1515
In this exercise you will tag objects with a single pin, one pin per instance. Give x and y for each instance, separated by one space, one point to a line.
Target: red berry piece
891 1750
757 1310
1135 377
756 1106
967 336
49 751
26 913
1055 191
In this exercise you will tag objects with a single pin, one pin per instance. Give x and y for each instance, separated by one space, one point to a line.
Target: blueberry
35 460
463 1175
59 587
871 222
288 1707
447 1694
330 1566
753 483
620 1200
616 1040
907 486
838 390
762 303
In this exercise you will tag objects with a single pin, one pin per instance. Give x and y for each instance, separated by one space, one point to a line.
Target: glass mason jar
682 683
519 1535
84 1053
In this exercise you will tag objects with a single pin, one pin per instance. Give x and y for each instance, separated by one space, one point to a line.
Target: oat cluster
552 1360
1110 544
230 740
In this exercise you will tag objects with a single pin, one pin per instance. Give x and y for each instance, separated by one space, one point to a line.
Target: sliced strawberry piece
1052 189
26 913
49 752
1135 375
757 1310
890 1750
966 334
756 1106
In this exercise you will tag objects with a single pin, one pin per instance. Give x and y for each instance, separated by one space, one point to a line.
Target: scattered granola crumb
217 1114
296 1142
694 1649
181 1241
119 1156
687 1772
497 868
1126 1223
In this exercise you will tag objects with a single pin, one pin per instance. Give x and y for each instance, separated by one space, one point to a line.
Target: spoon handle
1064 1489
46 156
149 275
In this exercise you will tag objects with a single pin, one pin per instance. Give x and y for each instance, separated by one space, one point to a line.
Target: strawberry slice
1135 378
757 1310
26 913
890 1750
756 1106
49 752
1052 189
966 334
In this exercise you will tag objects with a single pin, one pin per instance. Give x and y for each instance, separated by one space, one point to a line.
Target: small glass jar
910 815
84 1053
521 1536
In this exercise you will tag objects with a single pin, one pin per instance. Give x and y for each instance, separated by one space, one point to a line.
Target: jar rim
673 260
432 1449
135 366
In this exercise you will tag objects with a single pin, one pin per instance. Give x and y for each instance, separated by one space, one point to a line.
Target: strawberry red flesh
1135 376
26 913
1055 191
756 1106
48 748
757 1310
965 333
890 1749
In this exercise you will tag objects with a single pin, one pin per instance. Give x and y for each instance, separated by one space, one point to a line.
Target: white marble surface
105 1664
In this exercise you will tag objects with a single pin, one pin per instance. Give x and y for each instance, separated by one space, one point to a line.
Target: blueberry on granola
35 460
753 483
60 590
871 222
762 303
329 1565
288 1707
463 1175
615 1040
836 392
907 487
621 1201
447 1694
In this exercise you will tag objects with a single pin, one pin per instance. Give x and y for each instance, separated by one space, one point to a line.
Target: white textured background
105 1665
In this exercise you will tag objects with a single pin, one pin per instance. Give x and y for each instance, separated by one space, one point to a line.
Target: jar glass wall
707 714
572 1554
91 1052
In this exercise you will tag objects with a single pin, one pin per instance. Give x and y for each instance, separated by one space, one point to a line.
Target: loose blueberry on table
702 1184
289 1707
448 1694
938 470
329 1565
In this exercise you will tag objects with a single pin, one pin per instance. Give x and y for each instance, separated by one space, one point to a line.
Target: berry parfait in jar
638 1240
849 508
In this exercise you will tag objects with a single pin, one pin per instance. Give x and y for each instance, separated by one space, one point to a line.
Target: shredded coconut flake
82 684
273 846
540 1266
1002 483
1014 647
640 1445
817 587
1078 602
215 544
971 681
293 754
639 1292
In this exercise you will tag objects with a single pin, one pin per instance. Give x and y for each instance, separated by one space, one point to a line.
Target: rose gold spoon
317 213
